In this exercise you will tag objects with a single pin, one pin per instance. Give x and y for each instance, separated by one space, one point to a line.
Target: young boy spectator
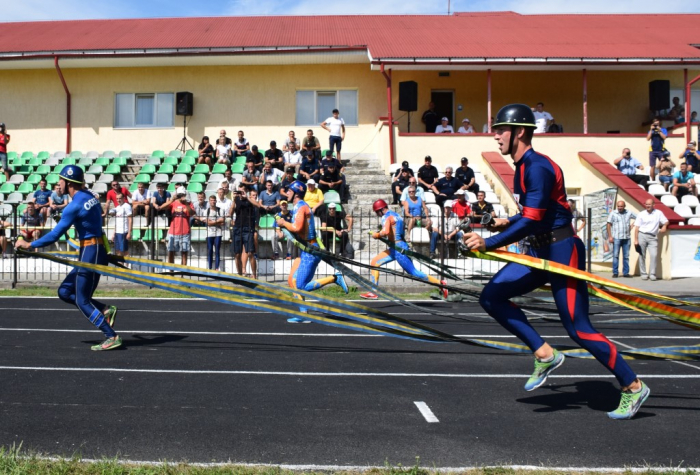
31 219
41 199
57 202
178 238
141 202
160 201
123 226
278 235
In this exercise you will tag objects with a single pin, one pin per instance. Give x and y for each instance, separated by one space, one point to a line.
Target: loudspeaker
184 103
659 95
408 96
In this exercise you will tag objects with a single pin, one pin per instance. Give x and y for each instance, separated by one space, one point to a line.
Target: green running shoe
542 370
108 344
111 315
630 403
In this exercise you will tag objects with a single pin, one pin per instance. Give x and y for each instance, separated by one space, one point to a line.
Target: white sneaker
645 277
652 277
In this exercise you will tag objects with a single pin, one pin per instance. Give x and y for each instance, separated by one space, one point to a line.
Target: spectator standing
41 199
30 222
419 191
578 220
466 175
215 219
684 182
336 226
444 127
451 223
160 202
57 202
269 199
274 156
241 146
427 174
657 136
112 195
466 127
223 202
331 180
141 202
461 207
199 218
400 184
206 152
543 119
123 225
691 157
335 125
311 146
628 166
619 227
243 235
270 174
223 152
313 196
4 140
251 177
310 168
430 118
292 158
666 166
278 235
415 212
482 207
291 138
446 187
647 226
178 238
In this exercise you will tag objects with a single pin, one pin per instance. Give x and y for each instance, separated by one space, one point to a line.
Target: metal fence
150 242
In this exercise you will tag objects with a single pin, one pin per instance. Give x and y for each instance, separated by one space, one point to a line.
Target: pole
391 116
68 102
585 101
488 99
409 122
589 237
15 233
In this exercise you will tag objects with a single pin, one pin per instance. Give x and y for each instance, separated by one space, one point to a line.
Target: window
144 111
316 106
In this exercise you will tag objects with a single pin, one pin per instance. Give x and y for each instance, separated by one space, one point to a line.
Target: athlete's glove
277 217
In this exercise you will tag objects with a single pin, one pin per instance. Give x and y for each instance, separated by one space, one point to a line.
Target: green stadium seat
158 153
133 187
183 168
198 178
76 154
201 168
170 161
26 188
24 170
240 160
148 235
21 209
331 196
166 168
195 187
102 161
2 178
142 178
113 169
69 161
43 170
7 188
34 162
135 234
192 153
267 221
150 169
235 168
34 179
220 168
43 156
26 156
108 154
125 154
175 153
52 179
11 156
188 161
121 161
171 188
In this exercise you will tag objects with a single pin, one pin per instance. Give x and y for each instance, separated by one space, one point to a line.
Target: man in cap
444 127
85 213
545 219
402 182
427 174
178 238
313 196
466 128
336 225
466 175
392 228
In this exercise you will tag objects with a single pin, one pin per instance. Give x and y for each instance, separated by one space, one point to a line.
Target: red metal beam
65 88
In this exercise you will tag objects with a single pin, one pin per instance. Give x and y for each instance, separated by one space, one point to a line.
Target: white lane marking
425 410
341 375
332 335
682 363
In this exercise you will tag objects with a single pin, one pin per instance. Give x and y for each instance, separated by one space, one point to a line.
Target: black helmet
515 114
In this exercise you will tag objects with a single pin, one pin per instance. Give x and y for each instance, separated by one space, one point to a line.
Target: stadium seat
235 168
331 196
170 161
3 179
100 188
43 156
183 168
212 187
239 159
694 222
142 178
179 178
52 162
153 161
175 153
670 201
266 221
198 178
491 197
105 178
192 153
198 234
76 154
96 169
15 197
34 162
34 179
690 200
435 212
149 169
108 154
92 154
69 161
153 187
420 235
392 168
499 211
166 168
429 197
188 161
161 178
26 188
201 168
221 168
158 153
24 170
125 154
657 190
683 211
43 170
216 178
89 178
102 161
195 187
26 156
121 161
471 197
5 210
16 179
52 179
59 155
11 156
148 235
133 187
171 187
114 169
85 161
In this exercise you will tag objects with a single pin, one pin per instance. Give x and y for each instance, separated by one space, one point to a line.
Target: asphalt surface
205 382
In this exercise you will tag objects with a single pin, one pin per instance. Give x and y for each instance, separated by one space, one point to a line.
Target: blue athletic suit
85 213
541 196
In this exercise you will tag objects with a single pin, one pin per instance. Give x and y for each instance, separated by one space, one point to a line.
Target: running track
205 382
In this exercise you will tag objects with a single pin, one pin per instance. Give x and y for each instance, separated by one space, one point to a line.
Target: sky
32 10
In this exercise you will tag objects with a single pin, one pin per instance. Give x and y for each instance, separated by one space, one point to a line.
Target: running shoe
108 344
542 370
298 320
630 403
111 315
444 290
340 280
369 296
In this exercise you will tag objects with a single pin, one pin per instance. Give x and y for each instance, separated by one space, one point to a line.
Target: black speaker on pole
408 96
184 103
659 95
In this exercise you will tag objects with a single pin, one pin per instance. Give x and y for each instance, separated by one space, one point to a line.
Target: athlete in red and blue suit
85 213
546 216
304 267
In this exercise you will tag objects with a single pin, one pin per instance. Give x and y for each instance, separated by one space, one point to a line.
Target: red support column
387 75
585 101
688 105
488 99
65 88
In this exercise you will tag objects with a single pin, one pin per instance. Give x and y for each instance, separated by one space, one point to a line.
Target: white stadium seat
657 190
670 201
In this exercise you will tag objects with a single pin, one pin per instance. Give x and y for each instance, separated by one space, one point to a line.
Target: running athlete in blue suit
393 230
304 266
545 219
85 213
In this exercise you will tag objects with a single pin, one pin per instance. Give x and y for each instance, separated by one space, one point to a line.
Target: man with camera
243 235
657 136
178 238
628 166
666 170
692 157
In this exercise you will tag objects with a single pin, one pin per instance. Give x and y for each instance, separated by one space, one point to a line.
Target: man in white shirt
647 226
466 128
444 127
293 158
122 226
222 202
141 202
335 125
272 174
542 118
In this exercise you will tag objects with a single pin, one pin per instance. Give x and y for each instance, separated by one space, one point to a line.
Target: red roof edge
630 188
501 168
